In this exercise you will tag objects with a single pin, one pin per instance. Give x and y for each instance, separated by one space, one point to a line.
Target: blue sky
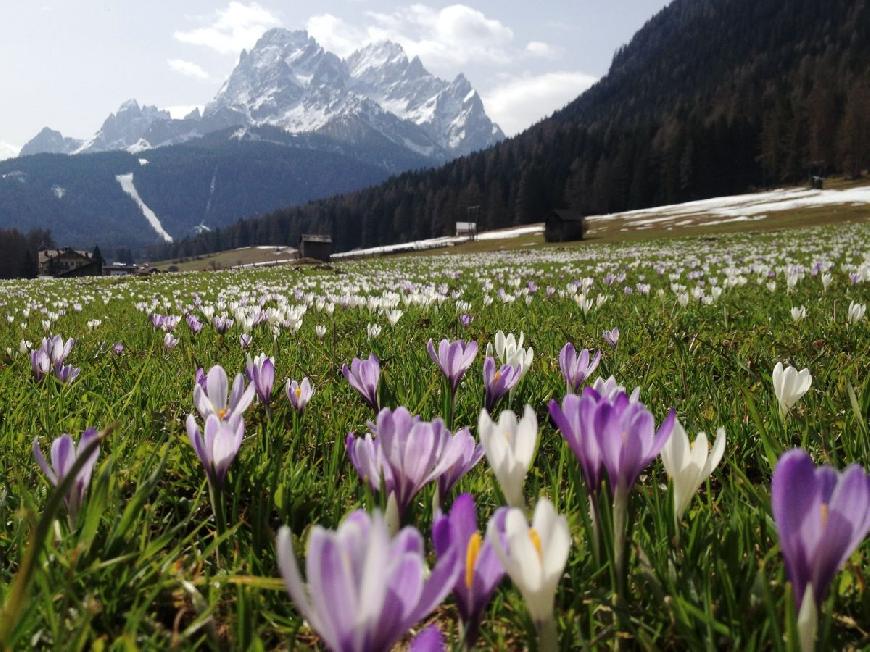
68 64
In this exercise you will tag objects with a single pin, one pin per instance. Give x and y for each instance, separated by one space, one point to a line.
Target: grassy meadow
702 323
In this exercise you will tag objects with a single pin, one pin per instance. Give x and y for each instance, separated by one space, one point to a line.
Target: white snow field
126 183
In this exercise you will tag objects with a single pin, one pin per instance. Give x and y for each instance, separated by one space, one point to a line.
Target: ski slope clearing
126 183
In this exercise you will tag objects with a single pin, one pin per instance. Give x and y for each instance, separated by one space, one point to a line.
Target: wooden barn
318 247
563 225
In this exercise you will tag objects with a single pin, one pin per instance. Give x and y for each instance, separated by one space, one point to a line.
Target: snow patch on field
444 241
126 183
739 208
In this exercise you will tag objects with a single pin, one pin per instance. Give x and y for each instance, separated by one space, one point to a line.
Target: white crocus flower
509 350
534 558
799 313
856 312
509 446
688 465
789 385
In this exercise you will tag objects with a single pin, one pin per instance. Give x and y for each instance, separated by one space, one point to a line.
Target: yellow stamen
823 508
536 541
471 553
496 376
222 413
298 391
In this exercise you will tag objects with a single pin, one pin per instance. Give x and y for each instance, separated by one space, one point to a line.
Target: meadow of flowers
656 445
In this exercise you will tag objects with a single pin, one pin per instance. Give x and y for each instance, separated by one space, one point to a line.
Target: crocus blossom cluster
50 358
577 366
402 454
365 588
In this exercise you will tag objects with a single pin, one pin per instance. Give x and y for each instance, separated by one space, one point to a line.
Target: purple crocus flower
364 376
221 324
215 398
169 341
406 453
611 336
299 393
261 373
66 373
471 453
454 359
465 320
40 363
576 367
218 447
498 382
118 348
574 419
200 377
57 349
481 570
194 324
428 640
245 340
64 454
627 438
821 517
365 590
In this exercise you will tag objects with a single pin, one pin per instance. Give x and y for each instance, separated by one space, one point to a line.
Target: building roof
47 254
568 215
314 237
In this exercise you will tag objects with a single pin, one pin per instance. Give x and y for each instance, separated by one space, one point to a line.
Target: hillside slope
710 97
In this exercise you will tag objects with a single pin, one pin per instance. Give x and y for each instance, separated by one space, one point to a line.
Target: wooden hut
318 247
563 225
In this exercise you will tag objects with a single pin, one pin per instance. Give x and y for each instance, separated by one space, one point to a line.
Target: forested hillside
710 97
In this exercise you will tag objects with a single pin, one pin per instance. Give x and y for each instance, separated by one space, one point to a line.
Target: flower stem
548 637
217 507
620 513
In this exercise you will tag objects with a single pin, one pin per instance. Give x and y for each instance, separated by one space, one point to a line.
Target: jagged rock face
126 128
51 142
289 81
451 113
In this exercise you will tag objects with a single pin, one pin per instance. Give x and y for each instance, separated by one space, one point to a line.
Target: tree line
710 97
19 252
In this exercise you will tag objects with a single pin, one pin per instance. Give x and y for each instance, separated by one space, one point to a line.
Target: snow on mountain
451 113
126 183
7 151
126 128
377 97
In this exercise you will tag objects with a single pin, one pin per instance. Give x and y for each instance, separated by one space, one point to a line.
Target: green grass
143 569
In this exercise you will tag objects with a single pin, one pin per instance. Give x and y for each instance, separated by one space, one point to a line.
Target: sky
68 65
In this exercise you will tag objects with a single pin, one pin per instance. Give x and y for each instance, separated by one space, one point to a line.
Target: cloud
540 49
443 38
8 150
187 68
335 34
178 111
520 101
232 29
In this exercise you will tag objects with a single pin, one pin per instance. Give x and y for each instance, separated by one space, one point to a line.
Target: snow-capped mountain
125 129
289 81
451 113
